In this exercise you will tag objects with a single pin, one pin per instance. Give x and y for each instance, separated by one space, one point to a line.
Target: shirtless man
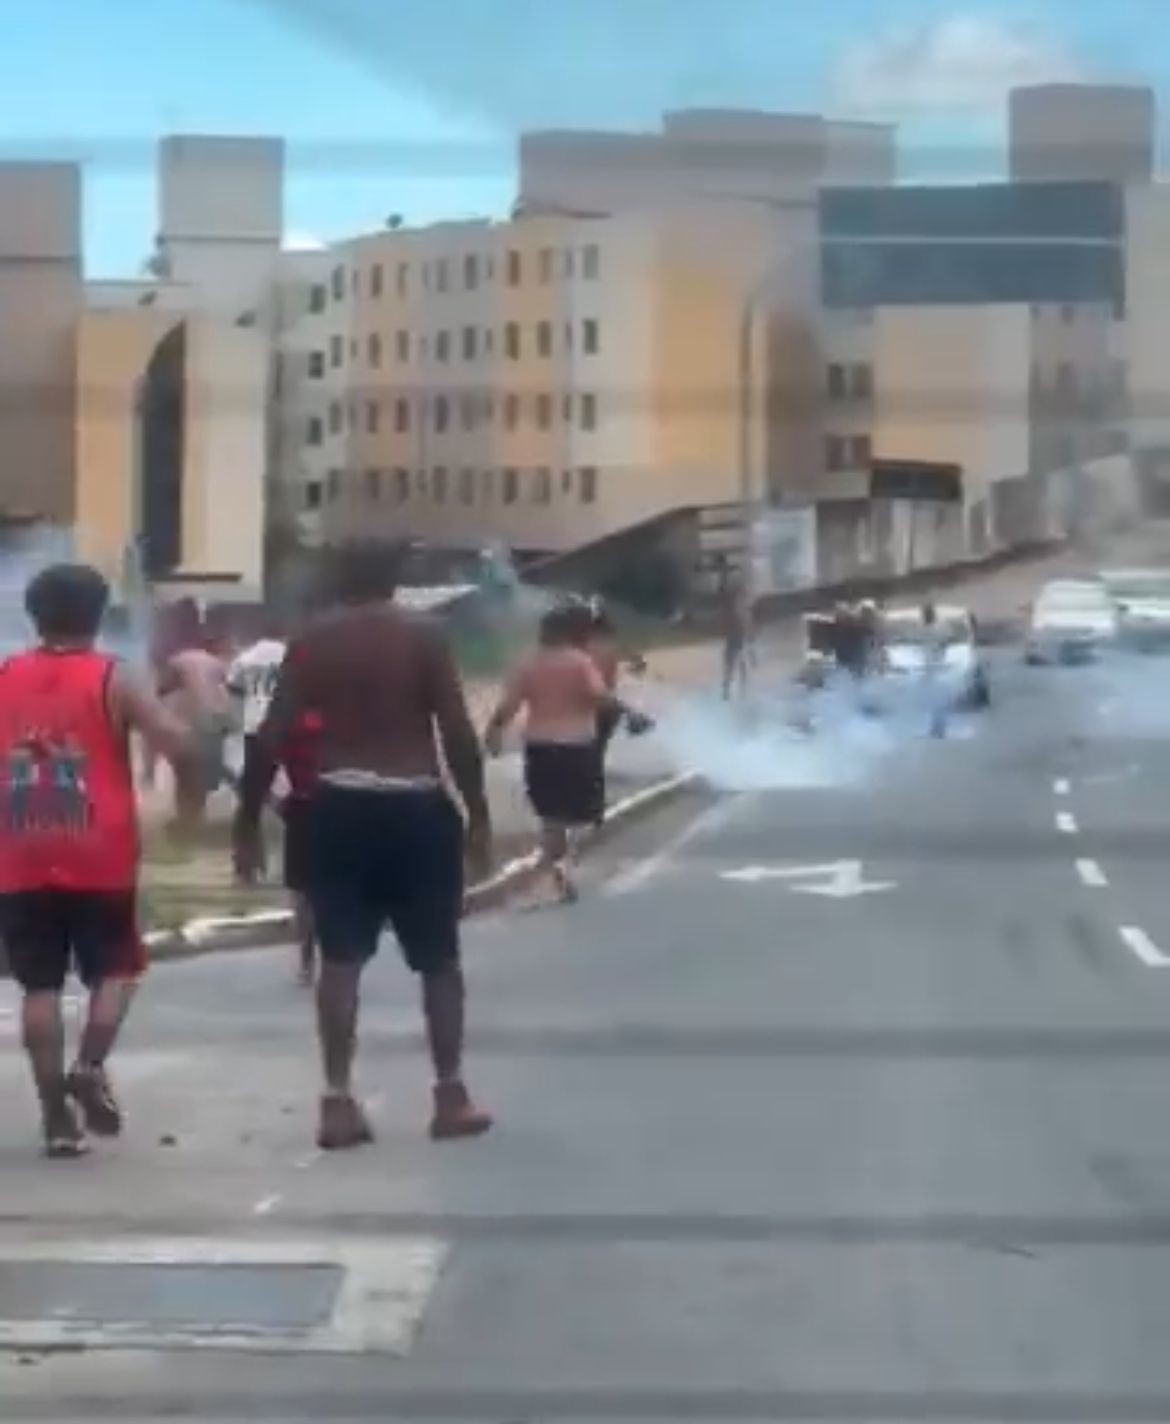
384 842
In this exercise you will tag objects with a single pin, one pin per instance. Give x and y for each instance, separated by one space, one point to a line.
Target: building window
468 406
514 269
859 452
489 268
442 414
588 412
375 350
470 342
838 384
512 341
439 484
334 486
422 348
591 262
834 453
316 365
861 382
546 264
318 297
568 336
313 494
401 278
488 341
377 278
470 273
567 409
442 346
353 349
542 486
544 412
355 282
590 337
336 418
441 277
402 485
467 486
588 485
511 487
338 284
544 338
401 415
373 418
511 411
489 407
566 482
402 341
315 431
489 486
336 352
570 263
374 485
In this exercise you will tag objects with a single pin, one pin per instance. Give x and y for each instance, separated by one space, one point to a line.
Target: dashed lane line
1066 823
1144 947
1062 787
1092 875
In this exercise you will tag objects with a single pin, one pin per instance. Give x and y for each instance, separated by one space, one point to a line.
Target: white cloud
963 63
302 242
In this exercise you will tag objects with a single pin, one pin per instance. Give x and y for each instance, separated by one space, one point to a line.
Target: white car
1142 597
904 652
1071 621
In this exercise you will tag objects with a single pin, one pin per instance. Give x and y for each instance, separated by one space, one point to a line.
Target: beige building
1082 131
40 303
543 382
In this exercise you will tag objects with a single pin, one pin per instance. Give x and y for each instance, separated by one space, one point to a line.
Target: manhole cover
357 1297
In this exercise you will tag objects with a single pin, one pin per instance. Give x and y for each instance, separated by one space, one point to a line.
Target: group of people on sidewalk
364 711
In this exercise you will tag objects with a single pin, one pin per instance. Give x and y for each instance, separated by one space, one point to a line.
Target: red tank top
68 818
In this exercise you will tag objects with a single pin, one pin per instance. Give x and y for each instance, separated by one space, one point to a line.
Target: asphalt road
887 1154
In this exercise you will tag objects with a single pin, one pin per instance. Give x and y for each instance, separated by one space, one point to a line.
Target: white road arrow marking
844 878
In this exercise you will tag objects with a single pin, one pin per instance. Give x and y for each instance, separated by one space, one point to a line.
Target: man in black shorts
384 842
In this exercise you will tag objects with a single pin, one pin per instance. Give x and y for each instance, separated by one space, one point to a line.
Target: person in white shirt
252 677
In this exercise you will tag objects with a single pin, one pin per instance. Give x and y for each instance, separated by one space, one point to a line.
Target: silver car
1072 621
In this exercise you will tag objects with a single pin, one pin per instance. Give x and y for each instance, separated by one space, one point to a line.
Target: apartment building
40 303
543 382
1070 132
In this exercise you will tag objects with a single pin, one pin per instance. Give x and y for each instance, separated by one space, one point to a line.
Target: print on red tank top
68 818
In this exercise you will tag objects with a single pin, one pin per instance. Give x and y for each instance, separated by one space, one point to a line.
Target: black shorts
385 858
566 783
48 932
295 814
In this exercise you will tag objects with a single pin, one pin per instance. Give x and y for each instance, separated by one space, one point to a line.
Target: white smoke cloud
963 63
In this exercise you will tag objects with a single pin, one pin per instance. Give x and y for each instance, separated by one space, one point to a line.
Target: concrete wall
1148 314
1061 131
40 303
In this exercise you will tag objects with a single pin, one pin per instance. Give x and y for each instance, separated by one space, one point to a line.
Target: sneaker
455 1115
64 1139
343 1124
90 1090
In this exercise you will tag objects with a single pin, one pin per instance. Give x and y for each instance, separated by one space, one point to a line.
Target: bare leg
455 1115
343 1123
337 1012
306 940
44 1043
109 1004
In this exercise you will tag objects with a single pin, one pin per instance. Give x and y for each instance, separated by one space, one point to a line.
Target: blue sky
412 106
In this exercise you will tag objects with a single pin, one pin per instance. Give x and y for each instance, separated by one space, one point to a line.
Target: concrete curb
274 927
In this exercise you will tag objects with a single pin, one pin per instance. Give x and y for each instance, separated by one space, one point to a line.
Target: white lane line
1092 874
1144 947
1062 787
1066 823
638 876
266 1205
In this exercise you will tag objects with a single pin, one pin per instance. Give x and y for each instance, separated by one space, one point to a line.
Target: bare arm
139 709
456 733
506 712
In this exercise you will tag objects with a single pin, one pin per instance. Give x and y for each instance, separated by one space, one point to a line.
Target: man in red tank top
69 847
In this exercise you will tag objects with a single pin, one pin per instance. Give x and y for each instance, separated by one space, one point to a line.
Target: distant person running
384 842
69 849
194 684
565 698
251 677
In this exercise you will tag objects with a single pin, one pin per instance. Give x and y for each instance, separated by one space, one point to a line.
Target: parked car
1071 621
905 651
1142 597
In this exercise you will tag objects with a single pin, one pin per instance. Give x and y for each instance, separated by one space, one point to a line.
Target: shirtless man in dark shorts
384 842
